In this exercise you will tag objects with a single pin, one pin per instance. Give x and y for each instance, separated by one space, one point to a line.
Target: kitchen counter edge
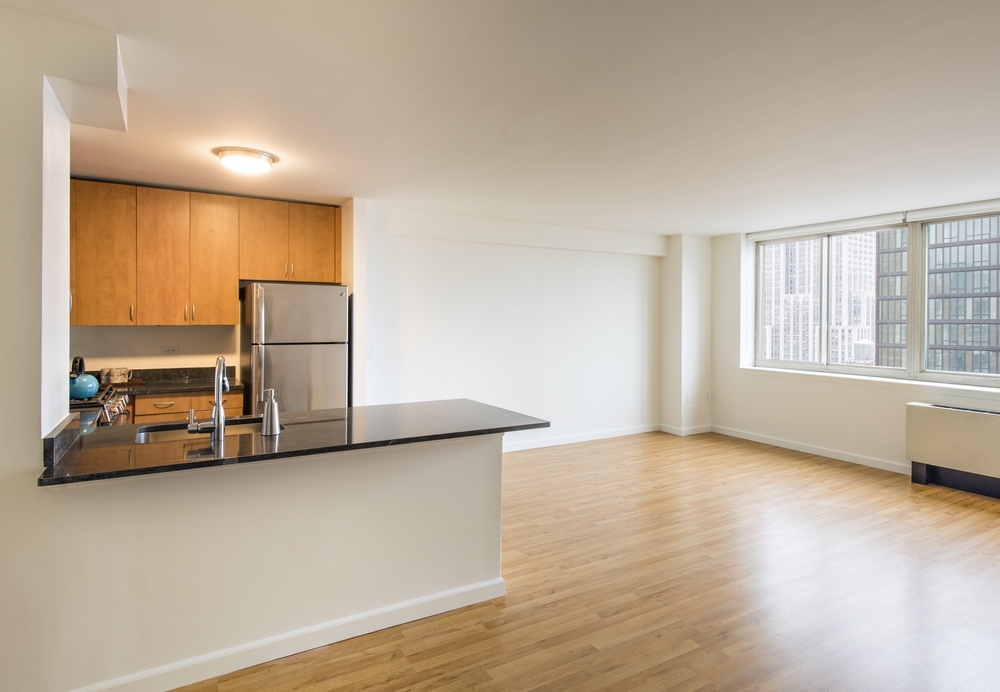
503 420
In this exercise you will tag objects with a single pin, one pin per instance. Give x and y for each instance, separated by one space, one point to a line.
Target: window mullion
916 299
758 302
824 301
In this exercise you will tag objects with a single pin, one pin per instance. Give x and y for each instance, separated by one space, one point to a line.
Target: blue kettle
81 385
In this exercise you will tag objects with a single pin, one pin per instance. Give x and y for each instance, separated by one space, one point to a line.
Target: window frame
978 379
916 309
823 365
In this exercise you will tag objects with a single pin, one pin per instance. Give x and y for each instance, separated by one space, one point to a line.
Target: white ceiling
703 116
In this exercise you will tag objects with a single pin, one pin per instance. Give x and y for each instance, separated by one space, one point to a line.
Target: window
864 295
962 293
841 302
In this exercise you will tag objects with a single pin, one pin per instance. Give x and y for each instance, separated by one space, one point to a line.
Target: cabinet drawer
156 405
160 418
201 402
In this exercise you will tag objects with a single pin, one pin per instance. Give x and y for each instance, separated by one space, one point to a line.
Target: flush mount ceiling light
245 160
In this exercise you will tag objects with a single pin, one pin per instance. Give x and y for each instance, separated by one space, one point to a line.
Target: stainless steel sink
172 432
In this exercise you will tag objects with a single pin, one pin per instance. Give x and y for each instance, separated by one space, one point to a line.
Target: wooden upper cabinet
151 256
263 240
72 253
215 247
339 243
163 256
103 252
312 243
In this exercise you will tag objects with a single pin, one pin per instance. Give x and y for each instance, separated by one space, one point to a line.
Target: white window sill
918 387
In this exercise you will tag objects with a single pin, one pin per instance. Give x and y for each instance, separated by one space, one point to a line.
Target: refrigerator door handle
258 379
261 312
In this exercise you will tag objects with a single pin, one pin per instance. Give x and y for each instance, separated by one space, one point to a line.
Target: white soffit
102 104
438 226
880 221
989 206
93 105
952 211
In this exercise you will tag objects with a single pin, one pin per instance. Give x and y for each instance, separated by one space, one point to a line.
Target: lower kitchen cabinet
167 407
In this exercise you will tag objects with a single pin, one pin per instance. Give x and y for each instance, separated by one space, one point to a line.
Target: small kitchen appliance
81 385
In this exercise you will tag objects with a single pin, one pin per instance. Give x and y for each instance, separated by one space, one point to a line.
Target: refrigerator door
304 377
285 313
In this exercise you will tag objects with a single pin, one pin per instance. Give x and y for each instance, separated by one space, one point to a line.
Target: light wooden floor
655 562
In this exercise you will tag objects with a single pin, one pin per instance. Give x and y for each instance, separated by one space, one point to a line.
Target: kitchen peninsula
350 521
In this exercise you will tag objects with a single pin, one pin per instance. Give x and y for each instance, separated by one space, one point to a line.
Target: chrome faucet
218 412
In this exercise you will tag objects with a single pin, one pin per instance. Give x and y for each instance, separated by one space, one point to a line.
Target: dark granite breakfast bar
112 452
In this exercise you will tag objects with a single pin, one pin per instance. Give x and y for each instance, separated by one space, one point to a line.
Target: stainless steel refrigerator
293 339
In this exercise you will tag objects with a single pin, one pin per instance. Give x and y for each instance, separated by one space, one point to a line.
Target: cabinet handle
163 404
286 268
131 313
192 312
185 313
293 269
212 402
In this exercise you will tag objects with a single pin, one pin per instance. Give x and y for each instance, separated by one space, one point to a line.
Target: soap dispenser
270 425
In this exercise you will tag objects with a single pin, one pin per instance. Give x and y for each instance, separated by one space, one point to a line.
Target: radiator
953 446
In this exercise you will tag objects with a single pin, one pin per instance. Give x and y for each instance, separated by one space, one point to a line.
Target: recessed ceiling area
658 117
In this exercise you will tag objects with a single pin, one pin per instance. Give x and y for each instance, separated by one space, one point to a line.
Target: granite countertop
111 452
174 386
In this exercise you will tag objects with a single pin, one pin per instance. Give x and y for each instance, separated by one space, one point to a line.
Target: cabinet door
263 240
104 248
72 253
215 247
339 244
312 243
163 254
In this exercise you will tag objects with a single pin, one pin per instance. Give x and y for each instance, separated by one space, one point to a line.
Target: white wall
55 260
854 419
696 333
571 336
686 356
671 352
142 347
353 225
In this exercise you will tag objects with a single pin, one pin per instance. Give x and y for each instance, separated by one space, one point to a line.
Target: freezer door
304 377
282 313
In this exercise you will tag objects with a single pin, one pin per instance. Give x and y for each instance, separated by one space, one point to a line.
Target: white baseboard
252 653
514 445
884 464
690 430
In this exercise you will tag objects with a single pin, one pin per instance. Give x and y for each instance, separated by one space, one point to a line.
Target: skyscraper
890 320
963 263
790 300
852 299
